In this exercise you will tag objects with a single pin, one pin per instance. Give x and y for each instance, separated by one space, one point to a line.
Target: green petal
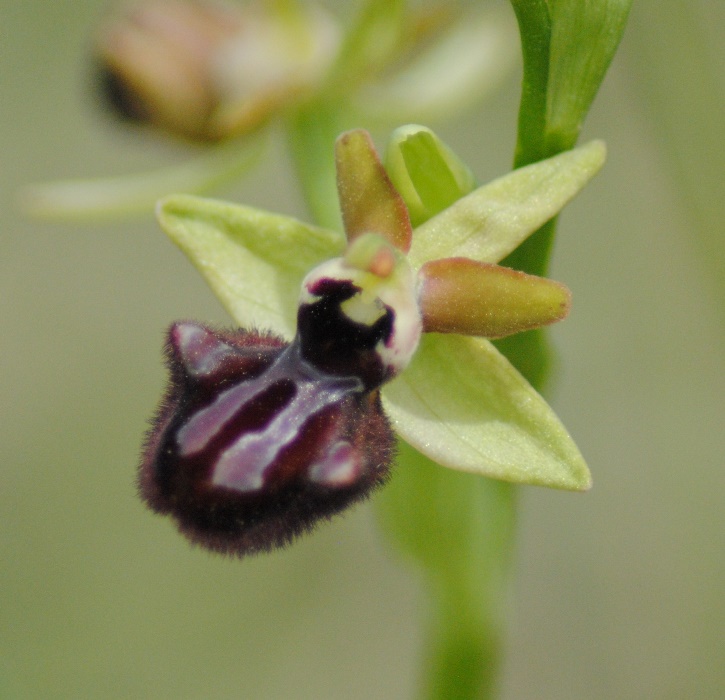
493 220
427 173
463 405
253 261
368 200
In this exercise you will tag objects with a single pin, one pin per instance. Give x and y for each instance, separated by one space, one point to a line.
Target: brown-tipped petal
368 200
459 295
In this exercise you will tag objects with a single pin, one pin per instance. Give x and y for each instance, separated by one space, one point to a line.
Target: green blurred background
619 592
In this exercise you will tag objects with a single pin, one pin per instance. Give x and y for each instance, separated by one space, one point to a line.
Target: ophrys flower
259 438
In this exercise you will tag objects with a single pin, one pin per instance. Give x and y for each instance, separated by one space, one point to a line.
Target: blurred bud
207 71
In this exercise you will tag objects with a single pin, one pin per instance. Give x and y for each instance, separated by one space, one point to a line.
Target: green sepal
463 405
254 261
493 220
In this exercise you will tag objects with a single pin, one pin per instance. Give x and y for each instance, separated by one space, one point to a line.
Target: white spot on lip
339 467
201 351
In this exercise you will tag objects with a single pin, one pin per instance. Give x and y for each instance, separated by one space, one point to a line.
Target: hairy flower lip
252 446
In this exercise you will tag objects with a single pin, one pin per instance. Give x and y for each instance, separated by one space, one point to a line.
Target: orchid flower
386 316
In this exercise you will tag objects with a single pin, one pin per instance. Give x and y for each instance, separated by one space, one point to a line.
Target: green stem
468 621
459 528
529 352
465 653
535 30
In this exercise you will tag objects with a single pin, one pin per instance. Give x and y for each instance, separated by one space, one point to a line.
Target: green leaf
567 46
463 405
493 220
427 173
584 39
253 261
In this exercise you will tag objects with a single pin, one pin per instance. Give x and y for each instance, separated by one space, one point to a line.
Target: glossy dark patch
334 343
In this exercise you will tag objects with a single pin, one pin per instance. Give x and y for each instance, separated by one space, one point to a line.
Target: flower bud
206 71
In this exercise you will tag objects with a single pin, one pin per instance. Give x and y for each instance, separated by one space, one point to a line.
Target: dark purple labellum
253 443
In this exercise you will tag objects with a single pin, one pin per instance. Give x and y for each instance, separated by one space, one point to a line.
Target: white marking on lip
208 422
339 467
242 466
200 350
